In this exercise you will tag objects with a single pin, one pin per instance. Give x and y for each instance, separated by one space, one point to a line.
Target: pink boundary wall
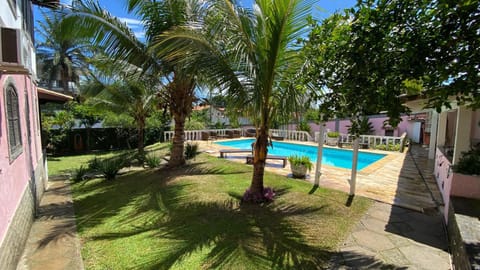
14 176
377 124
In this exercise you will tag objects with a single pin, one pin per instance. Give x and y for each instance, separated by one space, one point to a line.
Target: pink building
22 170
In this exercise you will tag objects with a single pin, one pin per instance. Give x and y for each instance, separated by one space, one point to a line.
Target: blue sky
321 9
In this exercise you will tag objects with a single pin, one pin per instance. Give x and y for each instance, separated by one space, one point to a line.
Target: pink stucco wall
377 123
14 175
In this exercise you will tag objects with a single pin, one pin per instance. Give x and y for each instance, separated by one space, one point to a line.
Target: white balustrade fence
293 135
371 140
196 135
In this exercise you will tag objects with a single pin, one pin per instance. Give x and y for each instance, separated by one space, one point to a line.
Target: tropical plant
94 164
117 41
135 96
301 161
299 165
80 173
191 150
193 124
111 166
152 161
333 134
252 56
365 127
60 54
304 126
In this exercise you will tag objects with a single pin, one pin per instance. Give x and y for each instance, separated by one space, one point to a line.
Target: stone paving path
391 237
53 242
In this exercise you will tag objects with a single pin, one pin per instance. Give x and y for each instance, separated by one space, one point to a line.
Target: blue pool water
333 157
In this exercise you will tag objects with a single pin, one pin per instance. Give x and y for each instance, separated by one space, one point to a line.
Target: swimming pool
334 157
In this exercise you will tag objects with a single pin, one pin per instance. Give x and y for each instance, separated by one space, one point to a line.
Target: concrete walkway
53 242
391 237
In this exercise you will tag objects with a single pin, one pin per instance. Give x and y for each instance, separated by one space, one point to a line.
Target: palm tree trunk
181 92
177 158
65 82
259 158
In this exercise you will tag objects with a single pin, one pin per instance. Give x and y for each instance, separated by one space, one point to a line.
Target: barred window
13 122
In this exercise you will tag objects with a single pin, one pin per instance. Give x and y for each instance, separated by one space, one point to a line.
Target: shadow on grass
197 232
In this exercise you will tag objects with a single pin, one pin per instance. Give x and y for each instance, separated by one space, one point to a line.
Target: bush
333 134
304 126
389 147
152 161
79 174
110 167
94 164
267 196
191 150
300 161
469 163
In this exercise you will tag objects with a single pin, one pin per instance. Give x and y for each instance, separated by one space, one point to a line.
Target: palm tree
60 54
116 40
252 56
132 95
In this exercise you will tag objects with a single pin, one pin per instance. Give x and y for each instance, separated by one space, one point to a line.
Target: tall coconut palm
251 55
60 54
119 42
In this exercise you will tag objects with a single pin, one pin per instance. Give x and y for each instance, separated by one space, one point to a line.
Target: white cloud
132 23
139 34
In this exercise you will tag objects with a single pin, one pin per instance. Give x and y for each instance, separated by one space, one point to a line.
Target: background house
22 169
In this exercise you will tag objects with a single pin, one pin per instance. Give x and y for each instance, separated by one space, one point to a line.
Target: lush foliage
388 147
191 150
80 173
469 163
152 161
333 134
365 127
378 51
305 161
304 126
111 166
59 54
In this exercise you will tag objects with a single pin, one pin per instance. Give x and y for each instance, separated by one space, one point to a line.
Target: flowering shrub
267 196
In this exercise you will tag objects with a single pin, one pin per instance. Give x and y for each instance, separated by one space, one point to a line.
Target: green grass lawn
190 218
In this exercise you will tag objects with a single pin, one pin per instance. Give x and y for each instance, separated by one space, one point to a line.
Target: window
13 122
9 40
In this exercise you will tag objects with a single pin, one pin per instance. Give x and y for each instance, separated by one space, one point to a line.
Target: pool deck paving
402 230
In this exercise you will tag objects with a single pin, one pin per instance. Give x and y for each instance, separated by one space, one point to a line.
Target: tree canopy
365 59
